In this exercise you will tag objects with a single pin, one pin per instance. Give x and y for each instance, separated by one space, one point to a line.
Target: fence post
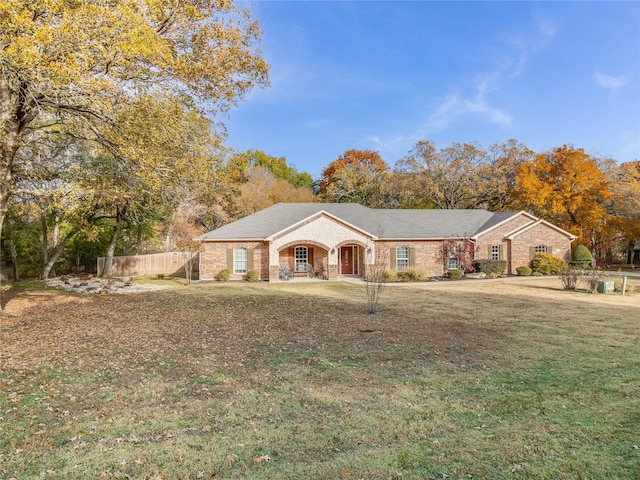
624 284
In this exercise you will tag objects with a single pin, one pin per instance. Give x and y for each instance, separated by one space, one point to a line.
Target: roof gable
314 217
501 218
538 222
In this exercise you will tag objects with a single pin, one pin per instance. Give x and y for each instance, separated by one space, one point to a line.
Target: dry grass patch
516 379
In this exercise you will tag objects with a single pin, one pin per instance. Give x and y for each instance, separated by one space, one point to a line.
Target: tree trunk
4 279
14 260
45 238
53 258
111 248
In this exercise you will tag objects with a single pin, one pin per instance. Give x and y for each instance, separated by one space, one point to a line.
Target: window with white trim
301 256
453 261
540 249
402 258
239 260
495 252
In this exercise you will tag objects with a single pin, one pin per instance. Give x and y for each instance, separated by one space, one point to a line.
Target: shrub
160 276
617 287
523 271
590 279
223 275
536 274
253 276
411 275
570 278
454 274
581 257
547 264
388 276
490 266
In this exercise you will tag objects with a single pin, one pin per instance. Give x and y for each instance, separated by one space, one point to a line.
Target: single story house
334 239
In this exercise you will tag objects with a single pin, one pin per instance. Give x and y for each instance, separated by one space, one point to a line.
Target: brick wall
497 236
213 259
558 243
426 255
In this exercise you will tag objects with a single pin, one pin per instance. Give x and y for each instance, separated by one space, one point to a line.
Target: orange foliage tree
566 187
365 159
626 206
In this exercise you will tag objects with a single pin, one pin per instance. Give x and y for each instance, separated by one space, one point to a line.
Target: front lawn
504 379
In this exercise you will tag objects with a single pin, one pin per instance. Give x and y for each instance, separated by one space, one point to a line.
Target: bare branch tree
376 275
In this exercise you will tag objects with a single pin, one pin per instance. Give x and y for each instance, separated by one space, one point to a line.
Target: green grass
512 380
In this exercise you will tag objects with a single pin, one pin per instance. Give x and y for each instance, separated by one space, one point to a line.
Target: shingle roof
383 223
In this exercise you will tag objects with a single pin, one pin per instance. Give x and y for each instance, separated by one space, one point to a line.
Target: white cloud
611 82
479 101
455 107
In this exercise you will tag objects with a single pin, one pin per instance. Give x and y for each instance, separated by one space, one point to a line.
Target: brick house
332 239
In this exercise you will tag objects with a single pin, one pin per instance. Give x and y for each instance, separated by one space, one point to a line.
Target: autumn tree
497 175
262 189
69 67
355 177
625 207
445 178
277 166
184 230
566 187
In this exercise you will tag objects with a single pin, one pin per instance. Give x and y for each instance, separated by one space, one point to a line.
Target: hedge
490 266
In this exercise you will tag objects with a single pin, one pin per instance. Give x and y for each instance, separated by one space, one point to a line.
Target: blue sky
382 75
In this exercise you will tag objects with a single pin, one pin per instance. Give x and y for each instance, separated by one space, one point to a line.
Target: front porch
309 260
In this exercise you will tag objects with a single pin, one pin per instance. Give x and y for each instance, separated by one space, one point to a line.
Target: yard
501 379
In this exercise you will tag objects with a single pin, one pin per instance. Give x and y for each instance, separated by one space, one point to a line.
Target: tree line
597 199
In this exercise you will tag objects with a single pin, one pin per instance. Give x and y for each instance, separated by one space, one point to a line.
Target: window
540 249
453 263
301 259
495 252
453 259
402 258
239 260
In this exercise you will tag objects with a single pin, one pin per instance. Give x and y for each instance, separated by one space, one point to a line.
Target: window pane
495 252
402 258
301 259
239 260
541 249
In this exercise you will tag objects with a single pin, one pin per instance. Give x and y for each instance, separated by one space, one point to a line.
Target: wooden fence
171 263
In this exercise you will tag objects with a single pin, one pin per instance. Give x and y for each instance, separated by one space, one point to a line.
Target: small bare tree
184 231
376 275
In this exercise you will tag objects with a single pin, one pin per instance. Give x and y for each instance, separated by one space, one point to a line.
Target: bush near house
498 267
547 264
411 275
223 275
454 274
253 276
523 271
581 257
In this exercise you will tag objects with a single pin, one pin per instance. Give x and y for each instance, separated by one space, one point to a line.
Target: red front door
348 260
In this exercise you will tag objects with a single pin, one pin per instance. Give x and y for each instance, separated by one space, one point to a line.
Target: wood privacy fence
171 263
